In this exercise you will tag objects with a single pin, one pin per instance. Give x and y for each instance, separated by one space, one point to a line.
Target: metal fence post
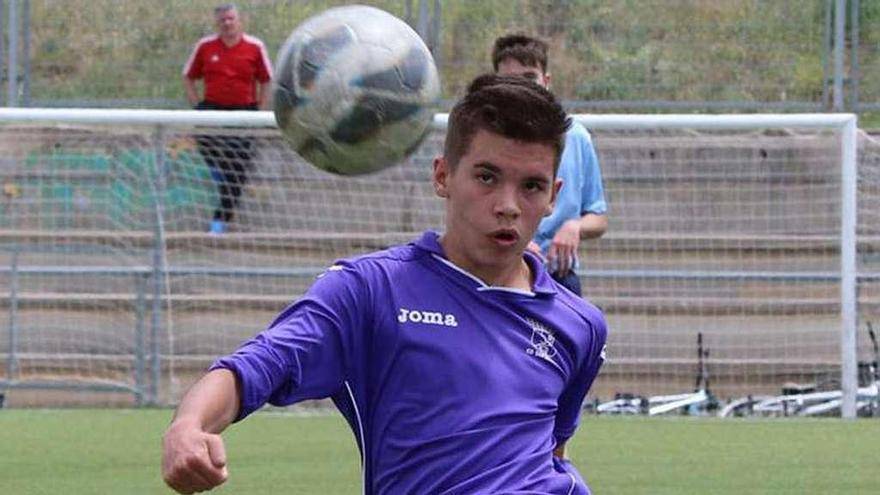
436 27
12 364
827 47
26 53
12 59
159 187
423 23
140 280
855 71
2 35
839 42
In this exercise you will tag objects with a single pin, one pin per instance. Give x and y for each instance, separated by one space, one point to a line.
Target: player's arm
536 249
263 77
593 221
571 401
193 454
192 93
592 225
564 246
263 95
559 451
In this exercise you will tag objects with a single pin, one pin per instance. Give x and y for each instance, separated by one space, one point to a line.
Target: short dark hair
525 49
511 106
225 7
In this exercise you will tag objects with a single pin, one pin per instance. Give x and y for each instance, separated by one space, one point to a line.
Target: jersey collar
544 285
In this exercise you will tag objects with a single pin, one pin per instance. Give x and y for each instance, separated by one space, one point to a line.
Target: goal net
736 228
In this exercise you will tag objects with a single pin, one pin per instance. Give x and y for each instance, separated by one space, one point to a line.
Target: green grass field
118 451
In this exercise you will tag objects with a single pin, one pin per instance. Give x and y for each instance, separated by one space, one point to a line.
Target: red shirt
230 72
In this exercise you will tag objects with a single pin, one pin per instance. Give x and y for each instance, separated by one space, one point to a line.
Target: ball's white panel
353 89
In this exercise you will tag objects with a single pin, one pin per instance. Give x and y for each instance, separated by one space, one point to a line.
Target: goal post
744 229
845 128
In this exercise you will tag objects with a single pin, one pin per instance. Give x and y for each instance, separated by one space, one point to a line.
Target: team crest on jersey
426 317
542 342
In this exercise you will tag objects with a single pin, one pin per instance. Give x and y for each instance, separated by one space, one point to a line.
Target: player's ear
547 80
440 177
554 191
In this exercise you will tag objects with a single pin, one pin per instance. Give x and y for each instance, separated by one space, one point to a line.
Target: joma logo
427 317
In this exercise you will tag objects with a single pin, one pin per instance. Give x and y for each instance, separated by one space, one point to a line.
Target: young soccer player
580 211
459 364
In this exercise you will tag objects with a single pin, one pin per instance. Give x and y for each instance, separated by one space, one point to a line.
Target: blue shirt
449 385
582 190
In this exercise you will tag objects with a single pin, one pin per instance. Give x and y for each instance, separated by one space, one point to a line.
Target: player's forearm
263 95
593 226
559 451
189 87
212 403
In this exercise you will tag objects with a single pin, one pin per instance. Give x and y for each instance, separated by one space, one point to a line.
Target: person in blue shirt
460 365
580 211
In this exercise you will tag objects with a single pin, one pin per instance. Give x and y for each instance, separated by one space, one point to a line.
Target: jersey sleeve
593 190
571 401
582 189
193 68
304 353
264 64
567 204
568 201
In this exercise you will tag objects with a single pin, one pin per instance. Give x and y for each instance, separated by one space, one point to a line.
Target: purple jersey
450 386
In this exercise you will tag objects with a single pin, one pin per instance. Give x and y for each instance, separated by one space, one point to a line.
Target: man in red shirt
236 72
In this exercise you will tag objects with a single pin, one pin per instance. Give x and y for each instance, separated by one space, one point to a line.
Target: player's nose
506 204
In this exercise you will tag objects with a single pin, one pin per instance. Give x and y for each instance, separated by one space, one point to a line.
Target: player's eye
485 177
535 186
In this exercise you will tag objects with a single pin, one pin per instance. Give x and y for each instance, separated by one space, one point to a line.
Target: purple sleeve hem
561 436
244 408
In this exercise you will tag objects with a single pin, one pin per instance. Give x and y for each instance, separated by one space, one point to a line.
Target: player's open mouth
505 237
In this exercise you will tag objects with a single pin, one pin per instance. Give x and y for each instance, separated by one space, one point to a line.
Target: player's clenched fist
192 460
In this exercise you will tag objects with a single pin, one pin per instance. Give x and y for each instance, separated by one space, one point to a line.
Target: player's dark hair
225 7
527 50
511 106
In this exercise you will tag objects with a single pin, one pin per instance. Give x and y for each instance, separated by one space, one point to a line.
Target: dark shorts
570 281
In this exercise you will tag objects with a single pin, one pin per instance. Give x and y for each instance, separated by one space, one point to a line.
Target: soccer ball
354 89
